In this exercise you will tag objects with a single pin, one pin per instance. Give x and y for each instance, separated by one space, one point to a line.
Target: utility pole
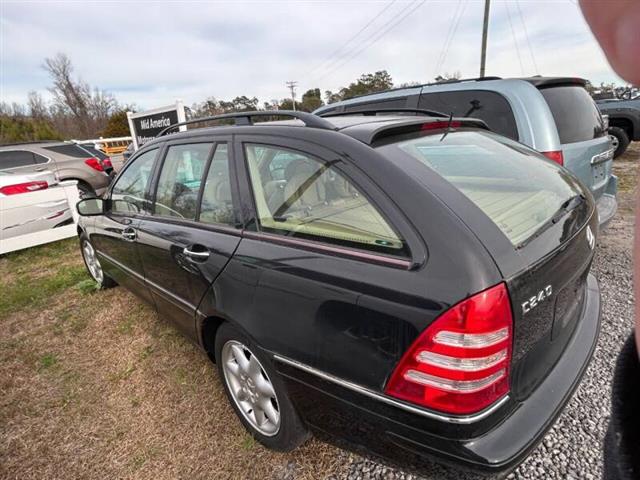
292 86
485 31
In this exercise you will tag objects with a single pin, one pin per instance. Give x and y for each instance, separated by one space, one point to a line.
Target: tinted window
381 104
180 179
490 107
511 183
40 158
315 201
129 194
217 205
16 158
575 113
69 150
94 152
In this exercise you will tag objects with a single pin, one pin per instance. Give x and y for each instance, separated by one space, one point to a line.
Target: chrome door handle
129 234
40 169
195 255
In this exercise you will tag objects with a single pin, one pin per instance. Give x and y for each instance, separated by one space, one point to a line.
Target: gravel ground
572 448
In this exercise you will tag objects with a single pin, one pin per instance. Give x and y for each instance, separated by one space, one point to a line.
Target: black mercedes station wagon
415 285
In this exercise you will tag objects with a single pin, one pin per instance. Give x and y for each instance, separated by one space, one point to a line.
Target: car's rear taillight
106 163
94 163
460 363
23 188
556 156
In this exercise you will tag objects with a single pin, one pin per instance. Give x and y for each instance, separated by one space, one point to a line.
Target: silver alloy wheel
615 143
251 388
93 264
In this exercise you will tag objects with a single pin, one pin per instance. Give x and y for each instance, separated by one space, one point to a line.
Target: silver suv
66 160
556 116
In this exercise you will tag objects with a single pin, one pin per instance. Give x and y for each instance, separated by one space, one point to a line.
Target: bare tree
36 106
89 110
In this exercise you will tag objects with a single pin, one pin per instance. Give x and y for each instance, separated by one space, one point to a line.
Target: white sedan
21 213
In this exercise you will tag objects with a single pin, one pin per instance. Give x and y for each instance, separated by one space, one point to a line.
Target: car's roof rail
245 118
372 112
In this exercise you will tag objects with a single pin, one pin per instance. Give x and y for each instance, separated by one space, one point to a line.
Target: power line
443 59
513 34
353 37
374 39
446 39
526 34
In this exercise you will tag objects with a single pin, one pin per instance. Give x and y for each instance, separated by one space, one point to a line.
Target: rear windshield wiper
564 208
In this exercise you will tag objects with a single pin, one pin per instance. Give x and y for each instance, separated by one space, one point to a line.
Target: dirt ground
93 385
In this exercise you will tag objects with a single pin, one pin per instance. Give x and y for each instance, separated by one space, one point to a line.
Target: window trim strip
340 251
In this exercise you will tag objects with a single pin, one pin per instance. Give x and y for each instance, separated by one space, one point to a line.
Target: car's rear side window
217 202
313 200
491 107
575 113
16 159
512 184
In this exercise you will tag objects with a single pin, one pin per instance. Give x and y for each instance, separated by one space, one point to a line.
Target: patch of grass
125 327
146 352
248 442
47 361
123 374
31 293
87 286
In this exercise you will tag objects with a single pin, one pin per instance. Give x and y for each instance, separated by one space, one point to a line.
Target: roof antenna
448 127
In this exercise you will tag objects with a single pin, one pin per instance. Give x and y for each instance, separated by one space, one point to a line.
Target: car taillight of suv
94 163
460 363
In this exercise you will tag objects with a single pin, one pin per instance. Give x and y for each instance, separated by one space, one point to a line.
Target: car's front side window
128 194
180 179
316 201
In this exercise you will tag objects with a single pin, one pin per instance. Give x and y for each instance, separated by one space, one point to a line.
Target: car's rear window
94 151
69 150
517 188
575 113
490 107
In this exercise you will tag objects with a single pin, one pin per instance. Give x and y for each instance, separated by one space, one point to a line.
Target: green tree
367 83
311 100
117 125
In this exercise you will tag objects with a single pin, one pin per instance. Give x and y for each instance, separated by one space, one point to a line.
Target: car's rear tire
256 391
619 140
92 263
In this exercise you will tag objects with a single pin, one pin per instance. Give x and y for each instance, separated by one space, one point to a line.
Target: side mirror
90 207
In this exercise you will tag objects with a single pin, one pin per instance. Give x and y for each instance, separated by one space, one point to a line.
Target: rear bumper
496 440
607 205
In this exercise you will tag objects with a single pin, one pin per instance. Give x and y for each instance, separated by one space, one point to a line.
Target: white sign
145 126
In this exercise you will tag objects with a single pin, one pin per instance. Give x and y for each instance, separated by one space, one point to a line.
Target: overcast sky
152 53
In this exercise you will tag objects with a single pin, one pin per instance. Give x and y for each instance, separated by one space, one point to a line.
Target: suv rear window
575 113
512 184
68 150
94 152
491 107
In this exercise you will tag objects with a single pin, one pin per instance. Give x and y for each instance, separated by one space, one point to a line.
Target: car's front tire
619 140
256 391
92 263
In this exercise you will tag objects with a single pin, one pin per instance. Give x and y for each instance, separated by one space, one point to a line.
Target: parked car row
553 115
67 161
624 121
417 284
